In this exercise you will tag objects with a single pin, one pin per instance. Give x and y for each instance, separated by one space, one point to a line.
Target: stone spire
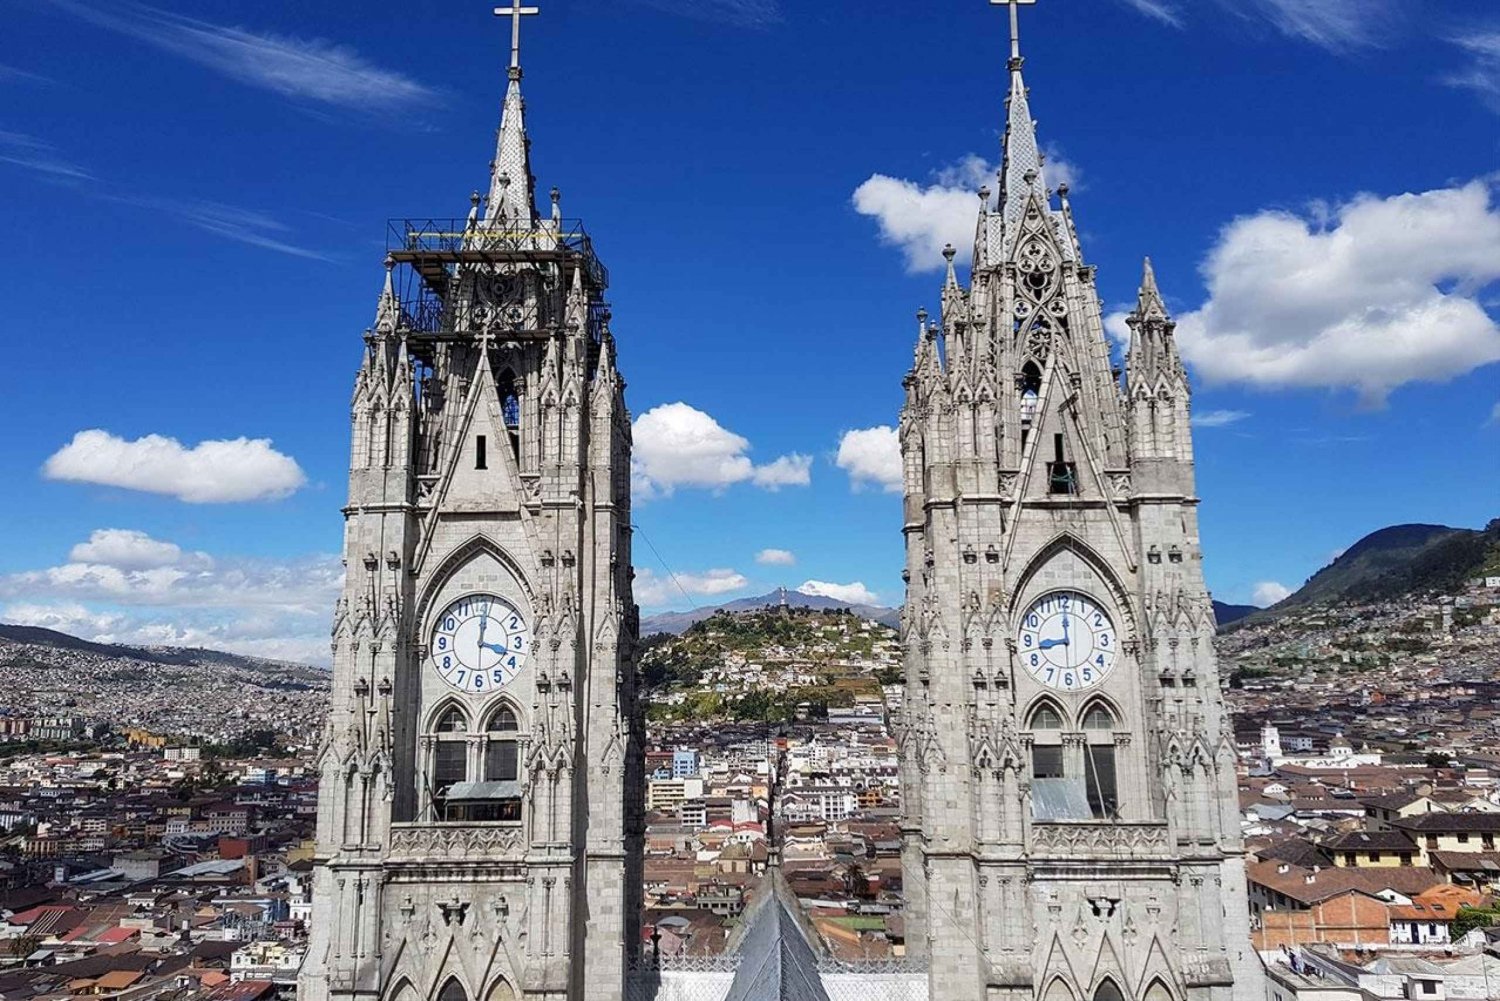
1021 165
512 188
1153 349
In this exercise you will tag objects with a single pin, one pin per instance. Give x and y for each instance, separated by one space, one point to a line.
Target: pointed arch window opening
453 991
1108 990
498 795
1046 724
1031 391
510 409
450 757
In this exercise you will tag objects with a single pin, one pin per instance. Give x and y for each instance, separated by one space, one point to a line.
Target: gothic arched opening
453 991
510 409
450 755
498 797
1108 990
1031 390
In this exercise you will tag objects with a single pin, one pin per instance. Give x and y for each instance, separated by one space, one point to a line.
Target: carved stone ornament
437 841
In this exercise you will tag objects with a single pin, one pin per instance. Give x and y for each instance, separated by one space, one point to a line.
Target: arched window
1101 783
1046 723
1058 991
1098 717
1046 717
1031 389
510 409
453 991
501 756
498 797
1108 990
450 754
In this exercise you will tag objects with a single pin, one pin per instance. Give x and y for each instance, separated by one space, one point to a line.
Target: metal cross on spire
1015 23
515 12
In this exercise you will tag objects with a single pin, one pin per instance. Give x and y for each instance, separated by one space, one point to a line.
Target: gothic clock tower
478 823
1072 827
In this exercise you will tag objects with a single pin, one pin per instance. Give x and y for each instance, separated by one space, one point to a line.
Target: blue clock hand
1049 644
496 647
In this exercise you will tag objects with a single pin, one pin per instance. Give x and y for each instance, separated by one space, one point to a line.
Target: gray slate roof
776 949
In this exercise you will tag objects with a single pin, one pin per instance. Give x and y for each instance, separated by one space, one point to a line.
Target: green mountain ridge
1398 561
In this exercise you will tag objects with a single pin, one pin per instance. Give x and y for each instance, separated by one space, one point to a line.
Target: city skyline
197 511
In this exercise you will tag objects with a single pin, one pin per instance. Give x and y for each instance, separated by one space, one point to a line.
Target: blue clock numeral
1098 622
450 623
1033 620
1088 675
442 642
1034 660
478 682
498 677
1099 660
447 662
1027 638
1104 639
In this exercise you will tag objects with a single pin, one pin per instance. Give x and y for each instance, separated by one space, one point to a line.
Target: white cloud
920 219
657 591
1060 170
1482 72
40 157
123 586
303 69
1269 592
1368 295
247 226
1219 418
1495 414
792 470
855 593
737 13
872 456
1336 25
127 549
211 472
1160 10
677 445
785 557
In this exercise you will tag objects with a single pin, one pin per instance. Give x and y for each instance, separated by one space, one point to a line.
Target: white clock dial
1067 641
479 643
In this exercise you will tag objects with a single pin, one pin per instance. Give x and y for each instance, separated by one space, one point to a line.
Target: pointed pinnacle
1148 279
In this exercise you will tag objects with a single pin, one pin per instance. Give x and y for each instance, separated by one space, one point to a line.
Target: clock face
479 643
1067 641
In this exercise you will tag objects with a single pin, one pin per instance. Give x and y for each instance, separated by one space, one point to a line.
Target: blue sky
196 217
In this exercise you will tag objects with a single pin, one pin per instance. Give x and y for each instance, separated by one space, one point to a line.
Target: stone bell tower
1072 828
479 809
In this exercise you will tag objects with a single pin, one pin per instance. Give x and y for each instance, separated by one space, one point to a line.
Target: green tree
1469 918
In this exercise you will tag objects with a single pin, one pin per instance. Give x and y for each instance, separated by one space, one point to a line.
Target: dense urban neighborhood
158 807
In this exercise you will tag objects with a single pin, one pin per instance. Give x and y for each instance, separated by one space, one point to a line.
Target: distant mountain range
1398 561
169 655
1389 563
677 623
